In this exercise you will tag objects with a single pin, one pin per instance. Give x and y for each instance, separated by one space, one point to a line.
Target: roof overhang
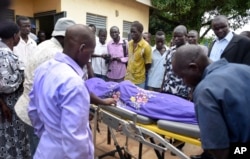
145 2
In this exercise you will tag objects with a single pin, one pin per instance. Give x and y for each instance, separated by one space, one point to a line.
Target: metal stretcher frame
139 132
166 133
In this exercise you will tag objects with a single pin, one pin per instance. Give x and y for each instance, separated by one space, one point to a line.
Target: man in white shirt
26 45
157 69
234 48
99 64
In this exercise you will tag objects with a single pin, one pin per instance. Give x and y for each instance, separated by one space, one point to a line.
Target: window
126 29
98 21
9 14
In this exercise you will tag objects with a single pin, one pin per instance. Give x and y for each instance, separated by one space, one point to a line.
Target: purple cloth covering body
147 103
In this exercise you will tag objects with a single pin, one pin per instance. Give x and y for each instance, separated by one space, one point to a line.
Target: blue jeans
141 85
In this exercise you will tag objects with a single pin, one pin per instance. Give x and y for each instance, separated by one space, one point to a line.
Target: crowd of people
45 102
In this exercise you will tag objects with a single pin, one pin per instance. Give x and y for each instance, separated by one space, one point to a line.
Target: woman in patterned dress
14 142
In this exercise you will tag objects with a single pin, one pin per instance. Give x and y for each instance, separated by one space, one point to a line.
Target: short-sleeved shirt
222 105
171 83
156 71
98 63
23 50
138 58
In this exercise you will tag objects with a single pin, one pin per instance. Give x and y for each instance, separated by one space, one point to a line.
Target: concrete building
102 13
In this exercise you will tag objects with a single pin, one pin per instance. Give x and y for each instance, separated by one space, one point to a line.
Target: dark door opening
47 21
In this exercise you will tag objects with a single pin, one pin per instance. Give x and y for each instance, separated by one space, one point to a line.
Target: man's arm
76 134
148 57
90 70
147 66
34 117
214 134
10 76
97 100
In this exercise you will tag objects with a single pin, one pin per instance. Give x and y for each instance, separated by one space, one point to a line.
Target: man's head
60 28
179 35
245 33
115 33
189 63
220 26
159 39
79 43
41 35
33 28
136 31
9 31
92 27
147 36
24 25
193 37
102 34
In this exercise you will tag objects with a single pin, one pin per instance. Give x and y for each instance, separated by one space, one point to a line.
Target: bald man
171 83
193 38
221 100
233 47
59 101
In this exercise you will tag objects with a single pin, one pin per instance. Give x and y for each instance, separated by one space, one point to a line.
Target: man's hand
109 101
116 59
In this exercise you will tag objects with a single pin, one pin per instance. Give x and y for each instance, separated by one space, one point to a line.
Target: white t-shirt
98 63
24 50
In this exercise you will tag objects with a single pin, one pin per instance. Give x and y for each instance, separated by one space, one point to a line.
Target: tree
195 14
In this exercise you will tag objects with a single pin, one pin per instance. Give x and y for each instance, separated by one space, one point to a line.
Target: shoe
204 155
195 157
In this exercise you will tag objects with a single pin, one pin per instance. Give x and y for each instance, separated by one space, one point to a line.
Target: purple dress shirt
117 70
59 110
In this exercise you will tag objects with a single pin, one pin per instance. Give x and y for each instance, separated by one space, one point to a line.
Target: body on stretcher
141 128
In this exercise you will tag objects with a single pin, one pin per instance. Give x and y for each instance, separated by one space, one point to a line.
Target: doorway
46 24
47 20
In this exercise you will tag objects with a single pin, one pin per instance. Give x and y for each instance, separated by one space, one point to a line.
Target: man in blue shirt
221 96
157 69
59 101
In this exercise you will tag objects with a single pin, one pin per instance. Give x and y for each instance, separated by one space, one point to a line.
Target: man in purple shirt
117 48
59 100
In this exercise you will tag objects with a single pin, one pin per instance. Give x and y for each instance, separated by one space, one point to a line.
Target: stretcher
156 134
